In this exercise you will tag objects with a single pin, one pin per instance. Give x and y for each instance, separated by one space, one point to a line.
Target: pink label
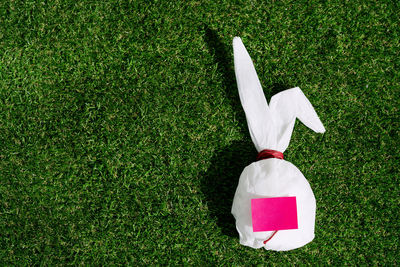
275 213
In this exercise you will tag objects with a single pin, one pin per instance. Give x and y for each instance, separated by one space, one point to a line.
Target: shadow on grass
219 182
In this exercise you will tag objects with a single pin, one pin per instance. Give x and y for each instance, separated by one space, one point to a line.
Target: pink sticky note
275 213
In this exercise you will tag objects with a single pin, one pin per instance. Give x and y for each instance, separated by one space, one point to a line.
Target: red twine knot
269 153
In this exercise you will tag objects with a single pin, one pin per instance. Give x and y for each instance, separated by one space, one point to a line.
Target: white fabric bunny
271 127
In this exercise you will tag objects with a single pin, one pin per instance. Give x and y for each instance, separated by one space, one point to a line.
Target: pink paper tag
275 213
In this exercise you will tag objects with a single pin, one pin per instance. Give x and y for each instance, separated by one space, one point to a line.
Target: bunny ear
251 95
292 103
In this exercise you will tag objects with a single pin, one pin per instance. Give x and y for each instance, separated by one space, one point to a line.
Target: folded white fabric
271 127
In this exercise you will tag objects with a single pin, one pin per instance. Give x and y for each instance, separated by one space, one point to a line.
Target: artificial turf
122 137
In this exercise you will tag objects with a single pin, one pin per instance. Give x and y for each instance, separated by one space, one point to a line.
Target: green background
122 137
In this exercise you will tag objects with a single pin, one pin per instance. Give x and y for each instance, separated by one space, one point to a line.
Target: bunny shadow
224 61
219 182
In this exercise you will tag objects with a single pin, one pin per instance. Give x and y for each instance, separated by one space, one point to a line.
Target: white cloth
271 127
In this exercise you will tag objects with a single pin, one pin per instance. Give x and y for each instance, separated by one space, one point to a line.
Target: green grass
122 137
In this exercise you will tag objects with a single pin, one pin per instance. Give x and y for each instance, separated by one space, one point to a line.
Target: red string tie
269 153
265 242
